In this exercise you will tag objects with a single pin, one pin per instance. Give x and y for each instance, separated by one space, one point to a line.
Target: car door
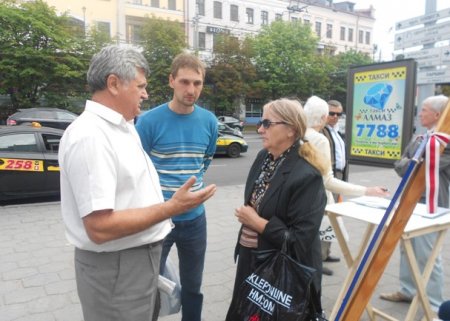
21 165
50 145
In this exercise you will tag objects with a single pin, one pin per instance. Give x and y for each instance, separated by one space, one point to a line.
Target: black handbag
280 289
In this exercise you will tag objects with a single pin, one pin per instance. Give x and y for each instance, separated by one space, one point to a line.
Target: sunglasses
267 123
332 113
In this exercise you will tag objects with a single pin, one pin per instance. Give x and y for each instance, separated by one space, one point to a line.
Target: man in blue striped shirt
180 138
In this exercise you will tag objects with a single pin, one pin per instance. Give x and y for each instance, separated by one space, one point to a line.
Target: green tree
285 59
38 55
162 41
338 72
230 74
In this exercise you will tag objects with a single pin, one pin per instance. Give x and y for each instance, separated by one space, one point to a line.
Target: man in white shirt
111 201
339 160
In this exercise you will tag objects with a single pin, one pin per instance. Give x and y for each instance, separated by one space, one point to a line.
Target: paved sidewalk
36 263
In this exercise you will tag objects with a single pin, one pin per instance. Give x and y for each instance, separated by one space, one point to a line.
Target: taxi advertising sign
380 105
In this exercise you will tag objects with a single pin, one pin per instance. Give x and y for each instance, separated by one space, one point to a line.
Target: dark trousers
190 240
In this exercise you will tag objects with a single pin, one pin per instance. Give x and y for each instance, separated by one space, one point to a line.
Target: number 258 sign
12 164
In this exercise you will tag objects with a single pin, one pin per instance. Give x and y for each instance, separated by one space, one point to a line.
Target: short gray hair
437 103
315 108
120 60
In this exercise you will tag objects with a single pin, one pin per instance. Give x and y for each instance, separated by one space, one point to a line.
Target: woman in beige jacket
316 110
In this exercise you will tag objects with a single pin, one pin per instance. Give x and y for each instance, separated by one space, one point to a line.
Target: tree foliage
162 41
45 56
230 74
38 55
285 58
338 72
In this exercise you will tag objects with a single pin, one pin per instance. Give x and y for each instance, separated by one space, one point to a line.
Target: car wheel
234 150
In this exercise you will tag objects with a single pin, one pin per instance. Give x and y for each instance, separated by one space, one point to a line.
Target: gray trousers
423 246
118 286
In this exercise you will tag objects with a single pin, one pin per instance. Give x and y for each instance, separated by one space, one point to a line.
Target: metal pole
84 20
426 90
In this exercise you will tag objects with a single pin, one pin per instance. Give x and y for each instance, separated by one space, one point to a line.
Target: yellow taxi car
29 161
230 145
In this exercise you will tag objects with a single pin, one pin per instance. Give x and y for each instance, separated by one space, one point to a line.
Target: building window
172 4
154 3
217 10
201 7
361 36
329 30
234 12
343 33
201 40
350 34
249 12
278 16
215 39
307 22
318 28
134 33
367 37
264 18
294 19
137 2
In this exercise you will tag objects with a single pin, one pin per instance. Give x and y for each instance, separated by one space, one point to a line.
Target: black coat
294 201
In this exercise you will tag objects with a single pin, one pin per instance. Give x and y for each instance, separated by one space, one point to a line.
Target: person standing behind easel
432 109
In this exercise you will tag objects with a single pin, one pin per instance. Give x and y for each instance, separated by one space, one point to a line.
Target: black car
232 122
227 130
46 116
29 161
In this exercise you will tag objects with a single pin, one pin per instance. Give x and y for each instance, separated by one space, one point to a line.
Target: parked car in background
225 129
232 122
29 161
230 145
46 116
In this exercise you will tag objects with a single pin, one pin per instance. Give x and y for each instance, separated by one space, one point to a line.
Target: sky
387 13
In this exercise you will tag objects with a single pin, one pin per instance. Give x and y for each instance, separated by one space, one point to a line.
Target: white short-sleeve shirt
103 166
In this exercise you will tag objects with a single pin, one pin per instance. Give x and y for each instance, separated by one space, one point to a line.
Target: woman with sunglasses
284 192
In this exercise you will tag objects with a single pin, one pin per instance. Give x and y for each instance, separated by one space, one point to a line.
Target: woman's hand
248 216
377 191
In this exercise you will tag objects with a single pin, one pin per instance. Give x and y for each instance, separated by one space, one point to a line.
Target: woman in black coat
284 193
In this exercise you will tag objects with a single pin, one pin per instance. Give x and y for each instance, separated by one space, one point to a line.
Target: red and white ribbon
432 168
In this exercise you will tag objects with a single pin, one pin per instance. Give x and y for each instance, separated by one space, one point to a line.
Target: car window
51 142
25 142
45 114
65 116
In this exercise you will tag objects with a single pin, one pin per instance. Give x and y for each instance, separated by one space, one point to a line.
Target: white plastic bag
169 289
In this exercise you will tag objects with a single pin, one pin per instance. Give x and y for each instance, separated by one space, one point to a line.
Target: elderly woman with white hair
316 110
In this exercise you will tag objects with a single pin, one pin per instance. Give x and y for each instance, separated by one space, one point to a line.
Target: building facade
338 26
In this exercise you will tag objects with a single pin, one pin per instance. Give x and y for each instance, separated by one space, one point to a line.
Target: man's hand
184 199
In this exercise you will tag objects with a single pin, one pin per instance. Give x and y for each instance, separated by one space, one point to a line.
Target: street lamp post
84 19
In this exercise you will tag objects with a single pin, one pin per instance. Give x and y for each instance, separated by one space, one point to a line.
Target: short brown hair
334 103
187 60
